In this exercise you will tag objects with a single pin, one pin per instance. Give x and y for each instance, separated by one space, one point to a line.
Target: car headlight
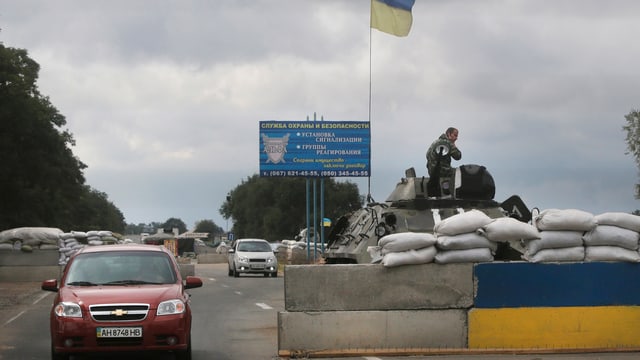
68 309
243 259
271 260
171 307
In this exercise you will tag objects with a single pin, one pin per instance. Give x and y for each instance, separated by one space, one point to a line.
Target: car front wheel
235 272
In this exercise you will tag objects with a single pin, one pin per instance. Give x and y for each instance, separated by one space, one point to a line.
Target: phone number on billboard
321 173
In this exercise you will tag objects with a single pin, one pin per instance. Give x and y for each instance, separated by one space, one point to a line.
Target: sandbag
47 235
624 220
570 254
66 235
109 239
554 239
466 222
507 229
406 241
610 253
610 235
465 241
410 257
567 219
79 234
464 256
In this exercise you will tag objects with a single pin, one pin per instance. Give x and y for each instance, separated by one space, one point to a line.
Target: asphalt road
234 319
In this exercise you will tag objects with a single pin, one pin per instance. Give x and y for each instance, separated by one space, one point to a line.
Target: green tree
175 223
95 211
633 140
42 182
275 208
208 226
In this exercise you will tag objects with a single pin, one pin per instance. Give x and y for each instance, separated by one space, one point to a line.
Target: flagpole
369 115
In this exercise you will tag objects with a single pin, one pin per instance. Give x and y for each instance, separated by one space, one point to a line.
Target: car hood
259 254
143 294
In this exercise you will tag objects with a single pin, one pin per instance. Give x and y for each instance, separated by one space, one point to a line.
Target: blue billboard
315 148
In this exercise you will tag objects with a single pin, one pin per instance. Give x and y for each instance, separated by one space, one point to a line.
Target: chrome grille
119 312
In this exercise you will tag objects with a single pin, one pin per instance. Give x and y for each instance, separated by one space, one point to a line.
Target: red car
121 298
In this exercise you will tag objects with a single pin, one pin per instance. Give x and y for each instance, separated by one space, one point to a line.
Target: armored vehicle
416 205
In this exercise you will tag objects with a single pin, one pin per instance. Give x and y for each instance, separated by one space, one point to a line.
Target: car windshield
254 246
120 268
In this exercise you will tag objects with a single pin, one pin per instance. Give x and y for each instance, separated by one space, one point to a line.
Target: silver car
252 256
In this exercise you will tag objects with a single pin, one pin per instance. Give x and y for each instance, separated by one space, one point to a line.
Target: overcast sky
164 98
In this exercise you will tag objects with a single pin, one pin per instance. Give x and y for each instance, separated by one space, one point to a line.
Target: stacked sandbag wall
29 254
39 253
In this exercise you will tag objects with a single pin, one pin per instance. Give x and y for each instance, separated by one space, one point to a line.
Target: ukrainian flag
392 16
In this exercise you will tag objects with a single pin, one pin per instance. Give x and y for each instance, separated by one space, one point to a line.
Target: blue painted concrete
522 284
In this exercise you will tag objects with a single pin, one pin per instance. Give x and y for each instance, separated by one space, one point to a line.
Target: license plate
119 332
257 266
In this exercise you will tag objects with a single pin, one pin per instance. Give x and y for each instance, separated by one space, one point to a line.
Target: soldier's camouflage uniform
445 161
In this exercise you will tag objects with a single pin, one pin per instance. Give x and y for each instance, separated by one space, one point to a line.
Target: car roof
123 247
243 240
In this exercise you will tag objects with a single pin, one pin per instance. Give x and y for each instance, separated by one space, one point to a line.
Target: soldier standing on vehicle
440 153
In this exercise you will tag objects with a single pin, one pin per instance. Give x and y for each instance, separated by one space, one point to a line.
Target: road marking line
212 279
371 358
40 298
264 306
238 292
15 317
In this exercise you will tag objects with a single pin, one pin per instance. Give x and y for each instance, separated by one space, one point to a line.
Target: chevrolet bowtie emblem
119 312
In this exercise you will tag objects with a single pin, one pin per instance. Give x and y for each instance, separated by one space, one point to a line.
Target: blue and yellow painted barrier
555 306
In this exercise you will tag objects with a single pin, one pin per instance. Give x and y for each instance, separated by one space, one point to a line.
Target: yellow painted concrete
555 327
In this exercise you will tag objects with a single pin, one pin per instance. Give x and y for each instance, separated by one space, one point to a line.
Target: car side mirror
192 282
50 285
231 251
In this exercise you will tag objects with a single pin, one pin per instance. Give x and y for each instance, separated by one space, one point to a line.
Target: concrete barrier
374 287
340 330
508 307
29 273
41 265
33 258
211 258
41 273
